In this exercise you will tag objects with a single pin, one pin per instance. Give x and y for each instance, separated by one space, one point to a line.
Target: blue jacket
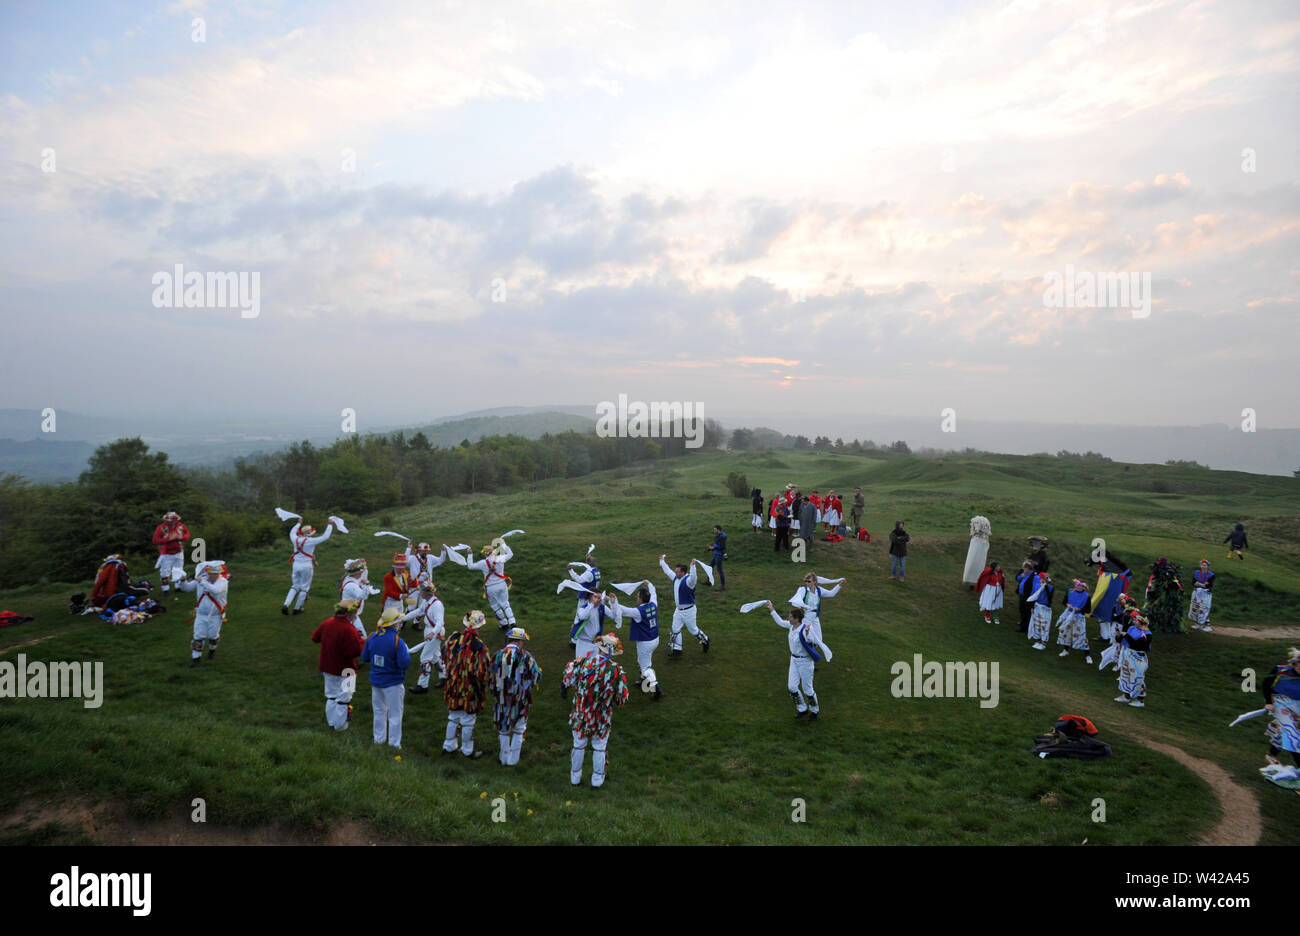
388 659
719 545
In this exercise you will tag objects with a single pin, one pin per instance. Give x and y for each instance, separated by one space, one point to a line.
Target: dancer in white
809 597
421 562
645 633
356 587
211 584
303 562
430 615
587 575
496 584
978 552
684 580
588 624
806 648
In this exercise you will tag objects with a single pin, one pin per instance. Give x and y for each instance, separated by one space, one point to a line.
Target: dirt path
27 643
1240 824
1259 633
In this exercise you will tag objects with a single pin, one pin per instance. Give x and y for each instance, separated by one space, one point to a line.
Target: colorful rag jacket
599 685
465 659
514 674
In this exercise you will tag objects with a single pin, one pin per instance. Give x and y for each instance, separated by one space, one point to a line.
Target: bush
738 484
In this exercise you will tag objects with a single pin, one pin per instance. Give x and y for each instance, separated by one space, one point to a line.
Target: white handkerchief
626 588
750 606
285 515
457 557
511 533
391 533
826 581
572 586
706 569
338 522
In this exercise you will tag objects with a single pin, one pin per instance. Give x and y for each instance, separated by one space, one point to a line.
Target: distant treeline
762 438
62 531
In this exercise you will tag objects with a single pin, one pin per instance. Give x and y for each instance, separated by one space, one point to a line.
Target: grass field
720 759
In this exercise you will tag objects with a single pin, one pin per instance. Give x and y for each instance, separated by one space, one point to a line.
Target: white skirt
758 521
975 560
991 598
1200 607
832 517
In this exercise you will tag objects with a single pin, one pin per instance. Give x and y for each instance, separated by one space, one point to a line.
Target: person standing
1236 541
990 586
1072 627
1199 609
833 513
430 615
806 649
1136 642
978 551
808 599
1040 622
421 562
1026 582
514 674
389 658
645 633
807 526
211 583
858 509
898 551
466 663
756 501
340 645
170 536
719 550
355 587
683 580
587 624
599 686
398 585
782 527
303 563
1164 597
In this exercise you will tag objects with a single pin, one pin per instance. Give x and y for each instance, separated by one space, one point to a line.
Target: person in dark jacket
807 524
782 527
756 500
1236 541
898 551
1025 585
719 551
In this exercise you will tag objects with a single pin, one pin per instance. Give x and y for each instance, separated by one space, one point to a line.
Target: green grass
720 759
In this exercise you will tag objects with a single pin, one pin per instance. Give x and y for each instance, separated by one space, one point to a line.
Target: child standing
1236 541
990 586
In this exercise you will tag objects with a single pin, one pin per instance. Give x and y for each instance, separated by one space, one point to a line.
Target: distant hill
530 425
44 459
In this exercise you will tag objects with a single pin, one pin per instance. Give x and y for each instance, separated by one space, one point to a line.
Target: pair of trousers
897 566
462 722
387 703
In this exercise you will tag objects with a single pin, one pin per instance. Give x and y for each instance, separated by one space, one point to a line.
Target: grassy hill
720 759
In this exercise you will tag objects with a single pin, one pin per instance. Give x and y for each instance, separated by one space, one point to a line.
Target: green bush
738 484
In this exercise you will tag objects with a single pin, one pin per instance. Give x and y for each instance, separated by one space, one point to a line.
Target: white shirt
490 564
811 601
690 578
420 566
305 546
810 631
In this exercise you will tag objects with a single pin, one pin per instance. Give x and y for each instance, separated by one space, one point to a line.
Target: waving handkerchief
285 515
1107 657
826 581
511 533
626 588
708 572
456 557
591 549
400 536
573 586
750 606
339 524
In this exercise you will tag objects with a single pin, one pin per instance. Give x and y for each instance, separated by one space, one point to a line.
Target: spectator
719 549
898 551
757 501
1236 541
808 525
859 506
782 527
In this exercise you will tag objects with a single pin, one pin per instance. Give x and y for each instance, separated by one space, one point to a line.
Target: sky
759 207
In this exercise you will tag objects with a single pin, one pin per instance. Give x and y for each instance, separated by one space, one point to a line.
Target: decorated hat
474 620
1205 562
516 633
171 515
307 530
425 546
353 566
348 604
399 560
609 644
427 585
389 618
1078 582
212 565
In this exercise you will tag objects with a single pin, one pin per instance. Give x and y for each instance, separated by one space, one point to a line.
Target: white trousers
512 742
336 702
683 617
645 651
168 565
464 723
387 703
582 647
206 627
430 657
498 596
579 756
303 570
800 684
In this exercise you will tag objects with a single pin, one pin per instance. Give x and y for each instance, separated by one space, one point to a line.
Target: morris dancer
170 536
588 576
465 660
1282 699
212 585
587 624
599 686
990 585
1040 622
1072 626
303 562
398 586
340 645
496 584
806 648
429 615
1164 597
1136 641
356 587
1199 609
808 598
977 552
514 674
645 633
683 580
421 563
388 657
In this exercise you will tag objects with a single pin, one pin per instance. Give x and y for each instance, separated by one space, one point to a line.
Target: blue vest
648 627
595 578
685 594
581 626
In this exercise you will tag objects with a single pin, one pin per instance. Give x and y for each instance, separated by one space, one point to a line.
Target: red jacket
169 547
395 589
989 577
340 644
